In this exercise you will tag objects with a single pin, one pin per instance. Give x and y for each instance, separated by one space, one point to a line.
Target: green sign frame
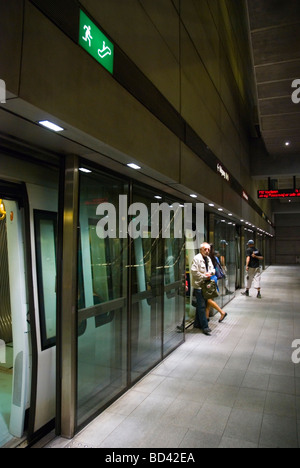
96 43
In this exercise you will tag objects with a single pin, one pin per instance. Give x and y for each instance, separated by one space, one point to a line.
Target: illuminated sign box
96 43
278 194
223 172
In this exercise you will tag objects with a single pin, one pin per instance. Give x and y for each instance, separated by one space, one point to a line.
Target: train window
46 238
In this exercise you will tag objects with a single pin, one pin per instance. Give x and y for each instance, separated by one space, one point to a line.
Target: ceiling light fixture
51 126
134 166
86 171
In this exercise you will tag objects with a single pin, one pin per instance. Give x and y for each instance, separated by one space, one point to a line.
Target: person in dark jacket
253 258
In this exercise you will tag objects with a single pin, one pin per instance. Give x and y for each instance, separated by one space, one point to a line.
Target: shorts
253 276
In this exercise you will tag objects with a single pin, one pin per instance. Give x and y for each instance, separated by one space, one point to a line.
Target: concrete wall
194 52
287 242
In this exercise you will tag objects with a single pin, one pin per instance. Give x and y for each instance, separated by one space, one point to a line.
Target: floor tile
231 443
211 419
198 439
251 399
280 404
237 388
282 384
256 381
244 425
279 432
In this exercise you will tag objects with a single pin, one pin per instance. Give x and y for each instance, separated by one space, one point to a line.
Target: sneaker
246 293
259 296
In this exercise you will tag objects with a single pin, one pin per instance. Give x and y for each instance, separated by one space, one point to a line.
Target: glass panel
45 231
158 284
267 243
192 249
147 292
226 250
174 296
231 263
102 295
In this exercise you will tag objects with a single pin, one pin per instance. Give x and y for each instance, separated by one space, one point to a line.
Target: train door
43 218
14 328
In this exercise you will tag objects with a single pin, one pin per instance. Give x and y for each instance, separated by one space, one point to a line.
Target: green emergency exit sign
96 43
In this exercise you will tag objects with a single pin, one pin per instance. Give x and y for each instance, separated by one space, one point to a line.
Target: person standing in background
253 257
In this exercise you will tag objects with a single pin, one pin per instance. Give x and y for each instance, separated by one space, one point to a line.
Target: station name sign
223 172
278 194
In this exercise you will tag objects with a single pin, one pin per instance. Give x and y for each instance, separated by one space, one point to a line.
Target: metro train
28 224
27 272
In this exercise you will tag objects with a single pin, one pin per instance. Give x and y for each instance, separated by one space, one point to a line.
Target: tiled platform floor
237 388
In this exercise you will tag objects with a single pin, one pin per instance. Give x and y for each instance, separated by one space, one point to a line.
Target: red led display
278 193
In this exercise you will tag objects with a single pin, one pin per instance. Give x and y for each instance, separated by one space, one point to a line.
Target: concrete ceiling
275 38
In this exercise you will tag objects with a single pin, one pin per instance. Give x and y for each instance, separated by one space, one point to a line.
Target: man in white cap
253 269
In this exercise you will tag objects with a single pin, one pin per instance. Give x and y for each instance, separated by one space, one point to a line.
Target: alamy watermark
296 93
2 92
296 353
2 352
161 220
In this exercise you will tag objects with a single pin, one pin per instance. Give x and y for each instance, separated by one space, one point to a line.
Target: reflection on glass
157 292
147 291
192 249
45 230
123 333
174 292
102 303
226 246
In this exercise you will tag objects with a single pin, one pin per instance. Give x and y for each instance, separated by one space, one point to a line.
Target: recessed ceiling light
158 197
86 171
134 166
287 143
220 209
51 126
193 195
211 204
